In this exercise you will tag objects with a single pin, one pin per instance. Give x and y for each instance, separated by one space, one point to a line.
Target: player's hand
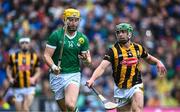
83 56
33 80
11 80
90 82
55 69
161 69
86 58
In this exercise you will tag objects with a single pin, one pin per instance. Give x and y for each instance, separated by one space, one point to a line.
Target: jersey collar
71 37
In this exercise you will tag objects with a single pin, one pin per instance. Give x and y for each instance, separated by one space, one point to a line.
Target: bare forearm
48 53
48 60
97 73
100 70
160 66
152 60
9 72
38 73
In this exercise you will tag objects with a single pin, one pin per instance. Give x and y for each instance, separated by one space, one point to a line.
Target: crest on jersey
80 41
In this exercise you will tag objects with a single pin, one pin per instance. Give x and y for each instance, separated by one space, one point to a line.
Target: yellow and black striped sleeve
144 53
109 55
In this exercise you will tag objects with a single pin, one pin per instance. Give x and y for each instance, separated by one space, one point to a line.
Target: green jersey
72 47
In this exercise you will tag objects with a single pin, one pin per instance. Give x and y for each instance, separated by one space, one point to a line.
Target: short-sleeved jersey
23 67
72 47
125 64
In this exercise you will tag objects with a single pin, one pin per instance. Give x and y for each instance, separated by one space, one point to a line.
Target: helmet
124 26
71 13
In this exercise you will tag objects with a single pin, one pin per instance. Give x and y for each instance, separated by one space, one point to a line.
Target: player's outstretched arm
98 72
160 66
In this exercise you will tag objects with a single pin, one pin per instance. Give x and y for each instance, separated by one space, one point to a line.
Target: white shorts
19 93
59 82
123 96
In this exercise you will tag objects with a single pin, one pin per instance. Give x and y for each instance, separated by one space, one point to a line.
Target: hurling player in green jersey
65 79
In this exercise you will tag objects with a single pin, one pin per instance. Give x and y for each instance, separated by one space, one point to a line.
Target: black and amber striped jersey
125 64
23 67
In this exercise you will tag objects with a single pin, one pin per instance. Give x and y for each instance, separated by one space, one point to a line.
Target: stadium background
156 24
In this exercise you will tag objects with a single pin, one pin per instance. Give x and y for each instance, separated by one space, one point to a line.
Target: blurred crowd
156 26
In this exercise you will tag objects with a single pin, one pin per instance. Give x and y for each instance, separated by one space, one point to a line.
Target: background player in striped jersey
23 71
65 82
124 58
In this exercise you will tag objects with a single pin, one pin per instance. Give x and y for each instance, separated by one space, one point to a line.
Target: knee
25 109
138 108
137 102
71 105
